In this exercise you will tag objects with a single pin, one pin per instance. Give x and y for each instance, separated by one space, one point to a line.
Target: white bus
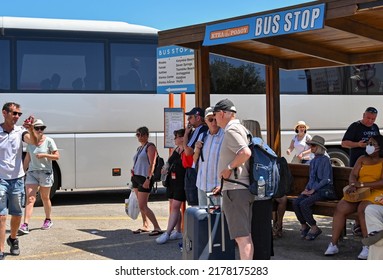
94 83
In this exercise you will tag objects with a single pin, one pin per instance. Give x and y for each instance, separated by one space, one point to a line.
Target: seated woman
366 173
320 179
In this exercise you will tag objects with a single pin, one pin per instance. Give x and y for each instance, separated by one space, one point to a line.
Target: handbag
327 193
131 206
164 177
358 195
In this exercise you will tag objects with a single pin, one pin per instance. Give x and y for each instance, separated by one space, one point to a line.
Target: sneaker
163 238
24 229
47 224
175 235
15 250
364 253
331 250
2 256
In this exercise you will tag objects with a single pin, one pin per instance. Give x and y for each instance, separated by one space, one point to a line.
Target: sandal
304 232
277 231
156 232
140 230
372 238
312 236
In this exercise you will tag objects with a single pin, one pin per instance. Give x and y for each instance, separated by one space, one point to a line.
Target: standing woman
298 143
142 179
38 161
175 190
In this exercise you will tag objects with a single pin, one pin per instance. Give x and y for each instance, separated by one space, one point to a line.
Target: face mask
370 149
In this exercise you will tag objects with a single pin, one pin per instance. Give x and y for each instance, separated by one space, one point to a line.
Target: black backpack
157 166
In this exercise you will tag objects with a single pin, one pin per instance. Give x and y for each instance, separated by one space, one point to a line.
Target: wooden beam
356 28
273 115
202 77
308 48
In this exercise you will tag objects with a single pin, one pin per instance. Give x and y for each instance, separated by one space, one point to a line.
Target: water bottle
261 187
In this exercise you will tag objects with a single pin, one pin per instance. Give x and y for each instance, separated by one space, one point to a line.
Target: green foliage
229 79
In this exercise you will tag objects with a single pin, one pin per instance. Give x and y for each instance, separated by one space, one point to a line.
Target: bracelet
229 167
361 184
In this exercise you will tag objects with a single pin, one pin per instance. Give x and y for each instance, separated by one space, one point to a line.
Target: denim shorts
42 178
12 196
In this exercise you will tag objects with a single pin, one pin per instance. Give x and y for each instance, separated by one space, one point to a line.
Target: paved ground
95 227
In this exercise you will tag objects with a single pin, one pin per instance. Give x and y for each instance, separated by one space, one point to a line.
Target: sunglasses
16 113
211 120
37 128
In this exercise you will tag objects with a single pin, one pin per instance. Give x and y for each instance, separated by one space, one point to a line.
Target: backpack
263 162
157 166
285 178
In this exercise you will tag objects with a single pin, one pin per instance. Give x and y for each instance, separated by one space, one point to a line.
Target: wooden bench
300 173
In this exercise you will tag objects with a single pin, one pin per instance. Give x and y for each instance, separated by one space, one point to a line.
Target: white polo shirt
11 150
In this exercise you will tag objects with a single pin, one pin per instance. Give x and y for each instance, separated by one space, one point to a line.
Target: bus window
133 67
51 66
4 65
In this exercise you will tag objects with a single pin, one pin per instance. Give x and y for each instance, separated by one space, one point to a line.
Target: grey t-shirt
47 147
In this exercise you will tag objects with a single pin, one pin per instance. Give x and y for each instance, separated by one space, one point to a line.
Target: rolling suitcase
206 236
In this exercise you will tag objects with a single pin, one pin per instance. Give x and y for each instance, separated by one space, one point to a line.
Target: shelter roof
352 35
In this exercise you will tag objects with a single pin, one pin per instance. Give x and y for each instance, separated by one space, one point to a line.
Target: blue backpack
263 162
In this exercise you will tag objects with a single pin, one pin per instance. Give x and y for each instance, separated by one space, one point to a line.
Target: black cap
371 110
196 111
225 105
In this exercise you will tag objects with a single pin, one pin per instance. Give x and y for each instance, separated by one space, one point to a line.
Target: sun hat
317 140
299 123
225 105
38 122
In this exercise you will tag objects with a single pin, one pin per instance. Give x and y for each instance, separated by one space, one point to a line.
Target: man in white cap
206 156
236 199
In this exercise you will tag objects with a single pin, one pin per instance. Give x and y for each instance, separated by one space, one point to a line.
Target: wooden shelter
352 34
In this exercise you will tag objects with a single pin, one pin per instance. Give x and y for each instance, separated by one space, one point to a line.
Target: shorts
138 181
12 195
42 178
237 205
176 190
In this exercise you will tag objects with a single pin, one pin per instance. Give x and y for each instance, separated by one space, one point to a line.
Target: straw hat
299 124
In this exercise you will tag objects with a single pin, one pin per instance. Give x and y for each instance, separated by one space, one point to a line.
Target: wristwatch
361 184
148 177
229 167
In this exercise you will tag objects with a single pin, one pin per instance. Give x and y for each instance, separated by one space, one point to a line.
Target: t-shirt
11 150
234 140
47 147
356 132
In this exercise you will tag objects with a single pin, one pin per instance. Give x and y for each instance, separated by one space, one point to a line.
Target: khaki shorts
237 205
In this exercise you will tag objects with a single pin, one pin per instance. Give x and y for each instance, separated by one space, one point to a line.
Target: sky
159 14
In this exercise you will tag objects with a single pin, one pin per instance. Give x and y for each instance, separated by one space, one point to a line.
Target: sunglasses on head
37 128
211 119
16 113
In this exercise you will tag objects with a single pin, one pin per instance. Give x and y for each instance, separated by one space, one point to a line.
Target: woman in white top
298 143
39 177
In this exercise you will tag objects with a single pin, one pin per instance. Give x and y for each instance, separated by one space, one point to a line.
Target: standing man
206 156
194 128
359 132
233 163
12 172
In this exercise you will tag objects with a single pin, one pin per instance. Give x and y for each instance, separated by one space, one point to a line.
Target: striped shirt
207 176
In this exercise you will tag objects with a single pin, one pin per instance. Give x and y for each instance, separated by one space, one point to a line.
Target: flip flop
372 238
155 232
140 230
311 236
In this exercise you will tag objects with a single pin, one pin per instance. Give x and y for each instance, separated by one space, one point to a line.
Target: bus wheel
338 157
54 188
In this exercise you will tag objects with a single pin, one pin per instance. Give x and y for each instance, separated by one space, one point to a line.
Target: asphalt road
92 225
